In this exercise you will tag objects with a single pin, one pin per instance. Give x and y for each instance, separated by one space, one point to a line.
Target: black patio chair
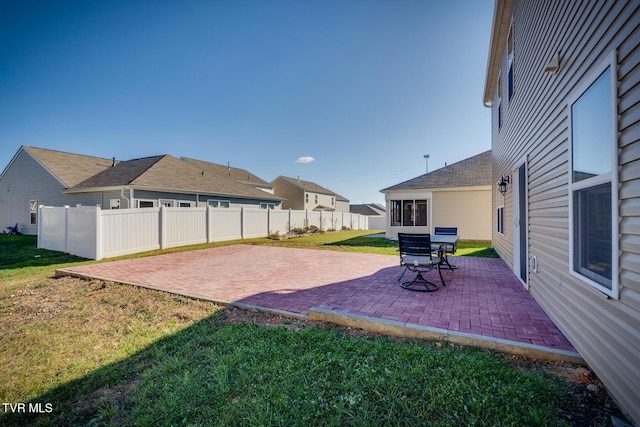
448 231
417 256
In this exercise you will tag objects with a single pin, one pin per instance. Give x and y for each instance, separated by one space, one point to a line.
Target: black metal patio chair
417 256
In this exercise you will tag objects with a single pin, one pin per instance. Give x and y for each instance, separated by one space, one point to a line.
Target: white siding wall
536 129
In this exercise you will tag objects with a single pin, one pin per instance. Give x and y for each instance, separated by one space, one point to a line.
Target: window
166 203
114 204
184 204
267 205
510 63
500 219
333 201
33 210
218 203
408 213
421 213
593 182
396 213
316 200
306 197
499 89
145 203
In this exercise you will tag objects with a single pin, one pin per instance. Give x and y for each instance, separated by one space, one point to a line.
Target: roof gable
70 169
472 172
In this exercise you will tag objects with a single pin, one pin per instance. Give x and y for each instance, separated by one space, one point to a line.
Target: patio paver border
381 326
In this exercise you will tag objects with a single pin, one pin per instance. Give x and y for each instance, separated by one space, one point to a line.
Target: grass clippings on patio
105 354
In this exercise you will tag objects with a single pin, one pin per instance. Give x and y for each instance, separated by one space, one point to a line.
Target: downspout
125 197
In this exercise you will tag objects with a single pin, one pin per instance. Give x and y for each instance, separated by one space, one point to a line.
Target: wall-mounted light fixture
553 65
502 185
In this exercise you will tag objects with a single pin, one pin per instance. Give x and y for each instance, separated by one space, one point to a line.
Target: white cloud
305 159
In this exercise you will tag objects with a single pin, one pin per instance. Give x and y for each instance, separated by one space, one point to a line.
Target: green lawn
104 354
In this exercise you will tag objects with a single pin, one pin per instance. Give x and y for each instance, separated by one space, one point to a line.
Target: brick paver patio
483 297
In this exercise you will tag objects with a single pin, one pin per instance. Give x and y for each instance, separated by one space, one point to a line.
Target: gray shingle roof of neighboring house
472 172
368 209
313 187
71 169
165 172
238 174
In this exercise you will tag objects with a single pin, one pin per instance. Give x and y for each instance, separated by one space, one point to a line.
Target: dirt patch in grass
98 317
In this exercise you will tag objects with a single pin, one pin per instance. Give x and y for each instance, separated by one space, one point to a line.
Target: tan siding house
306 195
458 195
563 83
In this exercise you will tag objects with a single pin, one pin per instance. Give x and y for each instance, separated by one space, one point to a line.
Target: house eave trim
169 190
499 30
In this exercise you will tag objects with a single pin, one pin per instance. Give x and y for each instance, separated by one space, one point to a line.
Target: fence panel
225 224
52 228
93 233
279 221
183 226
313 219
298 219
82 236
255 223
128 231
377 222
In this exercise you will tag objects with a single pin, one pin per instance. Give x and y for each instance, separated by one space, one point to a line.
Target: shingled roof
71 169
165 172
472 172
313 187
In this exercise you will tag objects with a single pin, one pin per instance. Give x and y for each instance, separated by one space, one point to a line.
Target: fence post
39 226
242 220
289 224
320 228
268 221
208 223
162 227
98 233
66 228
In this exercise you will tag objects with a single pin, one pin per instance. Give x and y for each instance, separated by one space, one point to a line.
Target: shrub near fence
93 233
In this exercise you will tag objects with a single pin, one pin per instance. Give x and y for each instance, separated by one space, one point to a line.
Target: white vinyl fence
93 233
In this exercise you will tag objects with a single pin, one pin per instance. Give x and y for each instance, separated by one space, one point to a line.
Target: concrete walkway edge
408 330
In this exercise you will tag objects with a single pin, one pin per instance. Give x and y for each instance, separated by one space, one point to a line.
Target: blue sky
364 88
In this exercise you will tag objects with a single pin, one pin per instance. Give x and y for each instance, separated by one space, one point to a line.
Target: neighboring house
306 195
37 176
563 83
376 213
369 209
457 195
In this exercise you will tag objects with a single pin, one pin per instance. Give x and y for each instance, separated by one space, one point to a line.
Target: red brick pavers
482 297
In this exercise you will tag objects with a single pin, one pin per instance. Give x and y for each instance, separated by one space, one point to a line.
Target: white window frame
610 178
168 203
114 203
153 202
190 203
33 212
267 205
216 203
413 202
500 222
